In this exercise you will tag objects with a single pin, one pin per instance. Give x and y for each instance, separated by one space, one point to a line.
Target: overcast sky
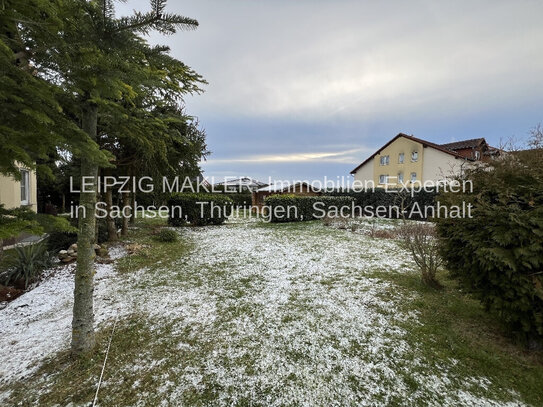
310 88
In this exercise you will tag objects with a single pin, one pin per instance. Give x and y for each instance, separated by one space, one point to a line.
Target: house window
25 187
477 155
414 155
400 177
413 177
383 179
400 158
385 159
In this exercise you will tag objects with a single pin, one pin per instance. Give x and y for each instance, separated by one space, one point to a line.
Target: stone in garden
73 247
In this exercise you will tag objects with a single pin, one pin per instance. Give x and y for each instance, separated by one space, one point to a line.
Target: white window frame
400 177
414 156
25 187
477 155
413 177
381 177
384 160
401 158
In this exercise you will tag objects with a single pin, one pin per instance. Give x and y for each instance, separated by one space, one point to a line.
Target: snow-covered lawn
250 314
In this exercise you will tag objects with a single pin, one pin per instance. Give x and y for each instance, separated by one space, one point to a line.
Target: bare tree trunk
111 227
126 203
83 313
133 203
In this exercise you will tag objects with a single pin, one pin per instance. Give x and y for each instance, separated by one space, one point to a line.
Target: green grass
454 326
152 252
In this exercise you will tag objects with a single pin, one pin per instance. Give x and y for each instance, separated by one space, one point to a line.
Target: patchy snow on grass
290 315
38 323
258 314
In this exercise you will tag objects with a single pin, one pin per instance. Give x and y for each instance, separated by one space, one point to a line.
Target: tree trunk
133 203
111 226
83 313
126 203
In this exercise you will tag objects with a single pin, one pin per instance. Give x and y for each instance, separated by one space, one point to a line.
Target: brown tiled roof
418 140
463 144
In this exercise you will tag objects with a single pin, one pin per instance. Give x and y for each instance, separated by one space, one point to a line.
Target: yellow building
406 160
15 193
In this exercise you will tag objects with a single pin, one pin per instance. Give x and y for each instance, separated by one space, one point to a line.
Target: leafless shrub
342 223
374 231
421 241
327 221
385 234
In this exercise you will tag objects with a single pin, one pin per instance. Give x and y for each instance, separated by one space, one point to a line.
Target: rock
96 246
67 259
70 252
102 252
73 247
62 252
3 304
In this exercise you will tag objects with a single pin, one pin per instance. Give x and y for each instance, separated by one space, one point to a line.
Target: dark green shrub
292 208
405 200
167 236
196 209
498 253
60 241
30 261
240 200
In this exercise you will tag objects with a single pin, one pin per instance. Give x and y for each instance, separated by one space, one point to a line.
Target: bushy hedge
240 200
304 206
381 197
498 253
187 208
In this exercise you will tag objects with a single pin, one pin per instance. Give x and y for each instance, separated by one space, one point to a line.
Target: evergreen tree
99 64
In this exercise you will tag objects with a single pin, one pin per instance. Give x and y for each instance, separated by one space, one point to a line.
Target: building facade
407 160
15 193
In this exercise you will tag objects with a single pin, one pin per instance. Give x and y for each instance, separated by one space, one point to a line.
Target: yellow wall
400 145
432 164
10 192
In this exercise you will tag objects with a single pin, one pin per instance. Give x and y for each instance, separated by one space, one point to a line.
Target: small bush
51 224
60 241
199 209
420 239
30 261
167 235
292 208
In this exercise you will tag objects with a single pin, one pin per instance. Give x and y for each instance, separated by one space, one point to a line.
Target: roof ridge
424 143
